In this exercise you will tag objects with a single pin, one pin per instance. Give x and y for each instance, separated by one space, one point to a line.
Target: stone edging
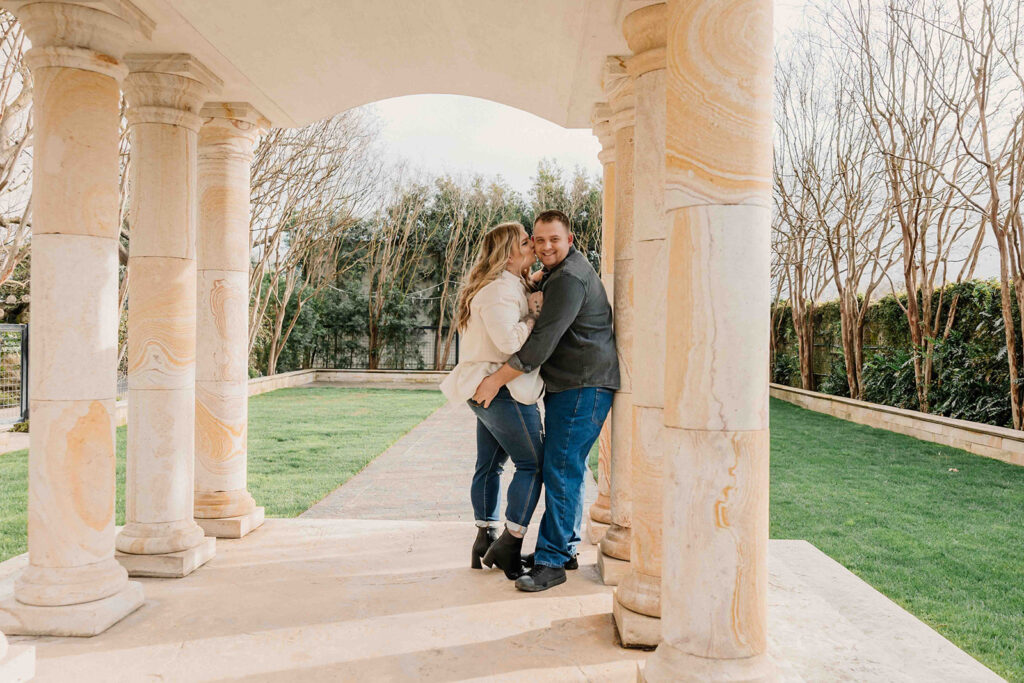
992 442
298 378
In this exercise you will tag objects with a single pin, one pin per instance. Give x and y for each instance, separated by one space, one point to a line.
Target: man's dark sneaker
540 579
571 564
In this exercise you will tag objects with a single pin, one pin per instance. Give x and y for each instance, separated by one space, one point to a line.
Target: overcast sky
464 135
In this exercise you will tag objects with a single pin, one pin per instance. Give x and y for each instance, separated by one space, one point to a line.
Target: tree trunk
803 324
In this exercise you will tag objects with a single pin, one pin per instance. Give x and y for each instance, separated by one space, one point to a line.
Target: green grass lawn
946 545
303 443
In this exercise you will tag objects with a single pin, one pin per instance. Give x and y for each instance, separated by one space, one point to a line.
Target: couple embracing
526 339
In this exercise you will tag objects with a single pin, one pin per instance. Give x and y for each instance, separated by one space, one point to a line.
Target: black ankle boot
485 536
507 554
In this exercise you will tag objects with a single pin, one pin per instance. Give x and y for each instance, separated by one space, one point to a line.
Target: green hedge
971 378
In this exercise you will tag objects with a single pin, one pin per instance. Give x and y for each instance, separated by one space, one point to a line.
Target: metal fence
13 373
422 349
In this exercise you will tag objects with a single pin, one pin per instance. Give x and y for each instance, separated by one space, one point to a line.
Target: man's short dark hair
552 216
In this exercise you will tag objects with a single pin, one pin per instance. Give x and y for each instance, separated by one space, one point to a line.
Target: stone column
73 585
223 505
637 605
160 538
613 561
718 192
17 663
601 510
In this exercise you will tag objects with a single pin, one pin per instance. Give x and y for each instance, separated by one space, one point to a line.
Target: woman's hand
535 302
537 277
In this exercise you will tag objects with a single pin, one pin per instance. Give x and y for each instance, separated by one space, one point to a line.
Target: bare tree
309 185
798 249
395 247
902 68
987 37
831 159
15 147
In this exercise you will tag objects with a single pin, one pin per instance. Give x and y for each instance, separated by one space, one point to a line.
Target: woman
495 316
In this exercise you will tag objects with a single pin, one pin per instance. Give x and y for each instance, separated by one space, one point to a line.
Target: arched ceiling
298 61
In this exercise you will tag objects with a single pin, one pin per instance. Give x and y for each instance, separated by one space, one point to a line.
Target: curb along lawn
936 529
303 444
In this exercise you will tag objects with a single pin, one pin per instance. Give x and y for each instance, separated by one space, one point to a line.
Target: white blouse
496 329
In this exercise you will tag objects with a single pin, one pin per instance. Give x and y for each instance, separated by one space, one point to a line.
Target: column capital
230 130
168 89
618 86
646 34
65 34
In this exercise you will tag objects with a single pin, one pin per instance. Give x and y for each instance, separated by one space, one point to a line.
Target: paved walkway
378 588
425 475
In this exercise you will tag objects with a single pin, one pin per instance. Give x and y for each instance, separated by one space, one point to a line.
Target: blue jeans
572 423
507 429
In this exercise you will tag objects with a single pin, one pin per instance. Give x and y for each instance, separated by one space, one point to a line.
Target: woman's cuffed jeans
507 429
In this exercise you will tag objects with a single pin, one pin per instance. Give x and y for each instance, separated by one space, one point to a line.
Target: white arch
302 60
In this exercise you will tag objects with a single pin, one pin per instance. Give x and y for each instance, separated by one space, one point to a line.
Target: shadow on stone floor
552 653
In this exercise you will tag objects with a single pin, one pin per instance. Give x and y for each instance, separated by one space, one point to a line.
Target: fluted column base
85 619
640 593
635 630
669 663
233 527
163 550
170 565
62 586
222 504
616 542
143 538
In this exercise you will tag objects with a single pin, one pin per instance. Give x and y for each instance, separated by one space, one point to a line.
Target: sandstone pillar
613 560
223 505
601 510
73 585
718 184
637 606
160 538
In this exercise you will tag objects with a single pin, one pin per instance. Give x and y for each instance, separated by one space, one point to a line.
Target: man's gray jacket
573 341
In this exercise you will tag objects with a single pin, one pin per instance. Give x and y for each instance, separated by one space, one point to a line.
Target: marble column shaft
619 86
226 143
164 102
601 510
718 184
76 70
645 32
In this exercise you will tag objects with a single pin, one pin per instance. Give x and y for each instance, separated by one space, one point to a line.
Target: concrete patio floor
373 583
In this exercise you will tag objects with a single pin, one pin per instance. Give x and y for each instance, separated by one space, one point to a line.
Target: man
574 345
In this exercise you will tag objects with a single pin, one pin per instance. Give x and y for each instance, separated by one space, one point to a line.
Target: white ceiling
298 61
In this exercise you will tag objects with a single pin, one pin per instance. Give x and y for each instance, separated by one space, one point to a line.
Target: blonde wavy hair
500 242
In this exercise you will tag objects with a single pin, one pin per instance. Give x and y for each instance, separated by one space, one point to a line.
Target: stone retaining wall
992 442
426 379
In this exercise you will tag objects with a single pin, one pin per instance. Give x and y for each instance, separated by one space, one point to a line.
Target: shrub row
971 378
